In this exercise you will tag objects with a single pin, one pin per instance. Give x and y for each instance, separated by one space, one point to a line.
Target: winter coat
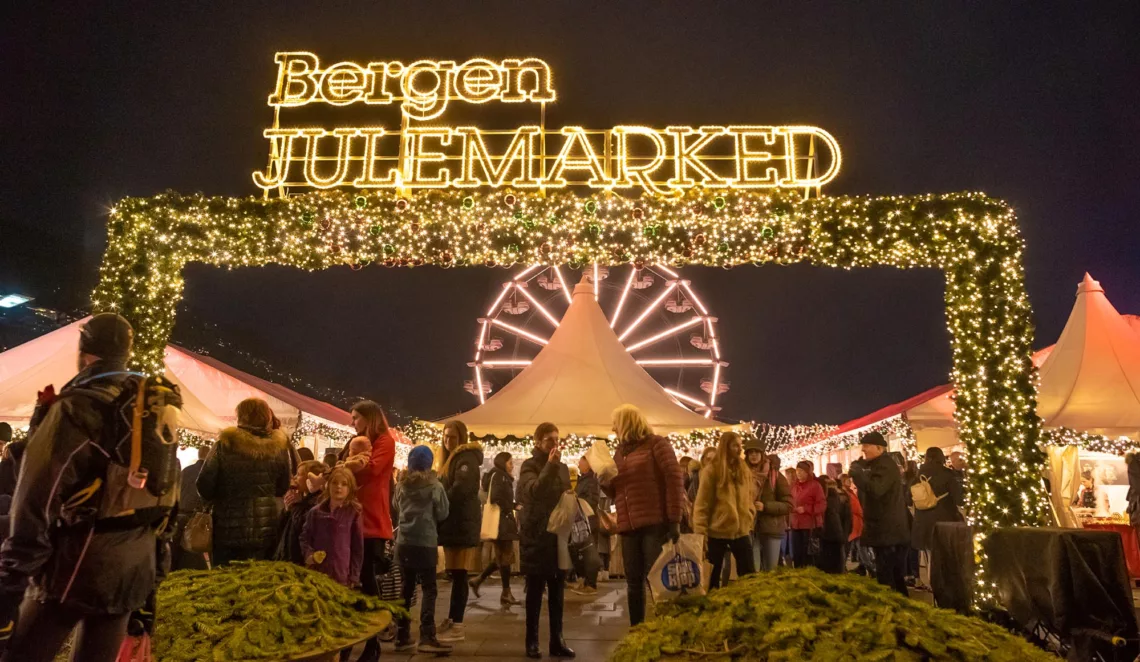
500 487
541 484
837 518
943 482
807 494
340 535
421 504
589 490
647 489
243 477
460 477
772 521
10 466
724 508
374 487
884 504
856 515
107 571
189 500
292 524
1133 496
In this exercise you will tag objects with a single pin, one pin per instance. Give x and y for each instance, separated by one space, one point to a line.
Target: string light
973 239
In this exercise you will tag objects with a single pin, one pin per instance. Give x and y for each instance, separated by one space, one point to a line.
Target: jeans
890 566
741 549
766 551
43 628
640 549
374 564
425 577
555 585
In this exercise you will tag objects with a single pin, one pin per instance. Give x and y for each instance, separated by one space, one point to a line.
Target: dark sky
1035 103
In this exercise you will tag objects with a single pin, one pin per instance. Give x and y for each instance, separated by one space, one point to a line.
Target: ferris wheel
654 312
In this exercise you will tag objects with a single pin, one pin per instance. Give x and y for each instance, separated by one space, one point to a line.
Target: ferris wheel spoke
664 334
693 296
624 294
506 363
541 308
479 385
672 274
565 290
522 333
713 391
686 398
673 363
498 300
527 271
648 309
710 325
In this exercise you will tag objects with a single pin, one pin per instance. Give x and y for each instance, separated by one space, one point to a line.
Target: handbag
198 536
814 540
489 529
580 533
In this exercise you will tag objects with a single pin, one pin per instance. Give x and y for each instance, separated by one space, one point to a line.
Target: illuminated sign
421 153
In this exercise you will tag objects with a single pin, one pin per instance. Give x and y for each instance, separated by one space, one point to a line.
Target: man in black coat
78 573
881 493
542 481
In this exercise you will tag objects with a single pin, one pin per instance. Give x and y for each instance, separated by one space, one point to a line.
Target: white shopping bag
600 461
679 570
562 517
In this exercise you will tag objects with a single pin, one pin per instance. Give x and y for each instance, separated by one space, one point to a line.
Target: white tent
1089 381
576 382
210 389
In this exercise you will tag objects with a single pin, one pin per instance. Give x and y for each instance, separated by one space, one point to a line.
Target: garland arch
972 238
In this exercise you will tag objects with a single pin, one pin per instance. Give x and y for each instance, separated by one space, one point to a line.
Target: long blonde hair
729 465
630 424
326 493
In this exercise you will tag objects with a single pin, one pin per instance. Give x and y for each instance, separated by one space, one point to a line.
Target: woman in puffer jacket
649 495
243 478
724 509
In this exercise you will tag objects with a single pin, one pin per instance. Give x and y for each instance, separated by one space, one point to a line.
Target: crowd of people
357 519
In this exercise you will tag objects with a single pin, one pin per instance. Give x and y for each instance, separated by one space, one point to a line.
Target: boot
475 584
532 642
508 599
371 651
558 648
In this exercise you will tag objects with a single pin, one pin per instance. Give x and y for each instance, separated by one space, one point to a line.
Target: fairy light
648 309
624 293
972 238
521 332
664 334
541 308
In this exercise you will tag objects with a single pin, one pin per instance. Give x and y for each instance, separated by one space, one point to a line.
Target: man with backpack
83 547
881 494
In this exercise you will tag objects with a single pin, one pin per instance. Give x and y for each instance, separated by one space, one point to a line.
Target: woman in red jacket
648 492
373 478
808 506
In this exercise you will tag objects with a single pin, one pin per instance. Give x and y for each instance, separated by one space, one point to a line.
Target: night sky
1033 103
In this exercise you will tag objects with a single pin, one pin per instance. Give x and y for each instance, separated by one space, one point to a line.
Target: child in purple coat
332 540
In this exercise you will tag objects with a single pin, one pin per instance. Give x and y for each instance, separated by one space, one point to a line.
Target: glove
674 532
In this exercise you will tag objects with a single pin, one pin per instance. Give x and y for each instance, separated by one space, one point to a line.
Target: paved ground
592 625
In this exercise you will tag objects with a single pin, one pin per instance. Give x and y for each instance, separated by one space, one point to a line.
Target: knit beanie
420 459
107 336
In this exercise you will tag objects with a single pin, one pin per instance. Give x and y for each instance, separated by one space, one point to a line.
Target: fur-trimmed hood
243 442
473 446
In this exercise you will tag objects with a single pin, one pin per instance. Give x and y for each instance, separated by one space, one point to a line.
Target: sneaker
585 590
389 633
405 645
450 631
432 645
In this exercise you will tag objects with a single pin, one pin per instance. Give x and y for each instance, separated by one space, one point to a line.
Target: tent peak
1087 284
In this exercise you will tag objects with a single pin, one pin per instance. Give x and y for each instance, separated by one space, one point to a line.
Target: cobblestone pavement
592 625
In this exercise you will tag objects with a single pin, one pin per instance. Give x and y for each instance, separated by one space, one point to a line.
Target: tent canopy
576 382
1089 380
210 389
